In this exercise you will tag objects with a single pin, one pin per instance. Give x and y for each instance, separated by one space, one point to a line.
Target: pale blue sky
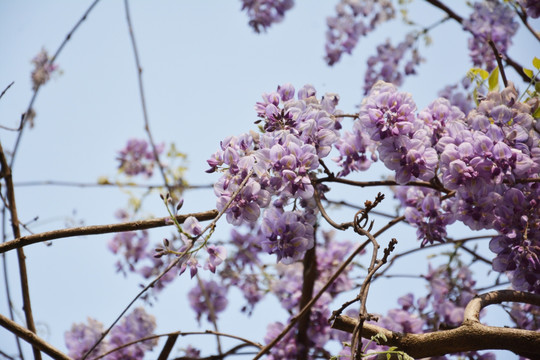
204 69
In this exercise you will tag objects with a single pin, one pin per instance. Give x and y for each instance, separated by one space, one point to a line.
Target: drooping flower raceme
82 337
388 64
490 20
404 141
353 19
263 13
137 158
488 164
136 325
296 134
208 293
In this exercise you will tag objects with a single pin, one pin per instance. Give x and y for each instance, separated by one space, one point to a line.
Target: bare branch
32 339
107 184
498 57
25 288
382 183
143 100
102 229
34 95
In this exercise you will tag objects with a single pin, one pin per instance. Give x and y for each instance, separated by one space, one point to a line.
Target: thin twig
324 214
107 184
381 183
6 89
25 288
448 241
102 229
523 16
34 95
143 99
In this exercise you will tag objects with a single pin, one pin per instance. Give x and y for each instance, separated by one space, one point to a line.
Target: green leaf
536 63
528 72
536 114
388 356
537 87
493 80
479 72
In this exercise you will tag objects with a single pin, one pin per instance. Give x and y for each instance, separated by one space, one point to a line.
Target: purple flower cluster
353 19
425 210
532 7
451 289
137 158
385 65
405 146
241 269
263 13
353 150
489 159
459 98
136 256
82 337
287 234
131 245
43 69
137 325
490 20
487 162
210 298
297 133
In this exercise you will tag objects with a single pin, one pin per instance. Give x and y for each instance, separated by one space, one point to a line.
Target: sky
203 70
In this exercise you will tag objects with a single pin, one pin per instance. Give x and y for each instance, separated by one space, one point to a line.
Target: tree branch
25 288
32 339
143 99
470 336
102 229
34 95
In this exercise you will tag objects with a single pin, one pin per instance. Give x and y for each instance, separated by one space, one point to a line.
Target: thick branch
32 339
309 275
470 336
102 229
